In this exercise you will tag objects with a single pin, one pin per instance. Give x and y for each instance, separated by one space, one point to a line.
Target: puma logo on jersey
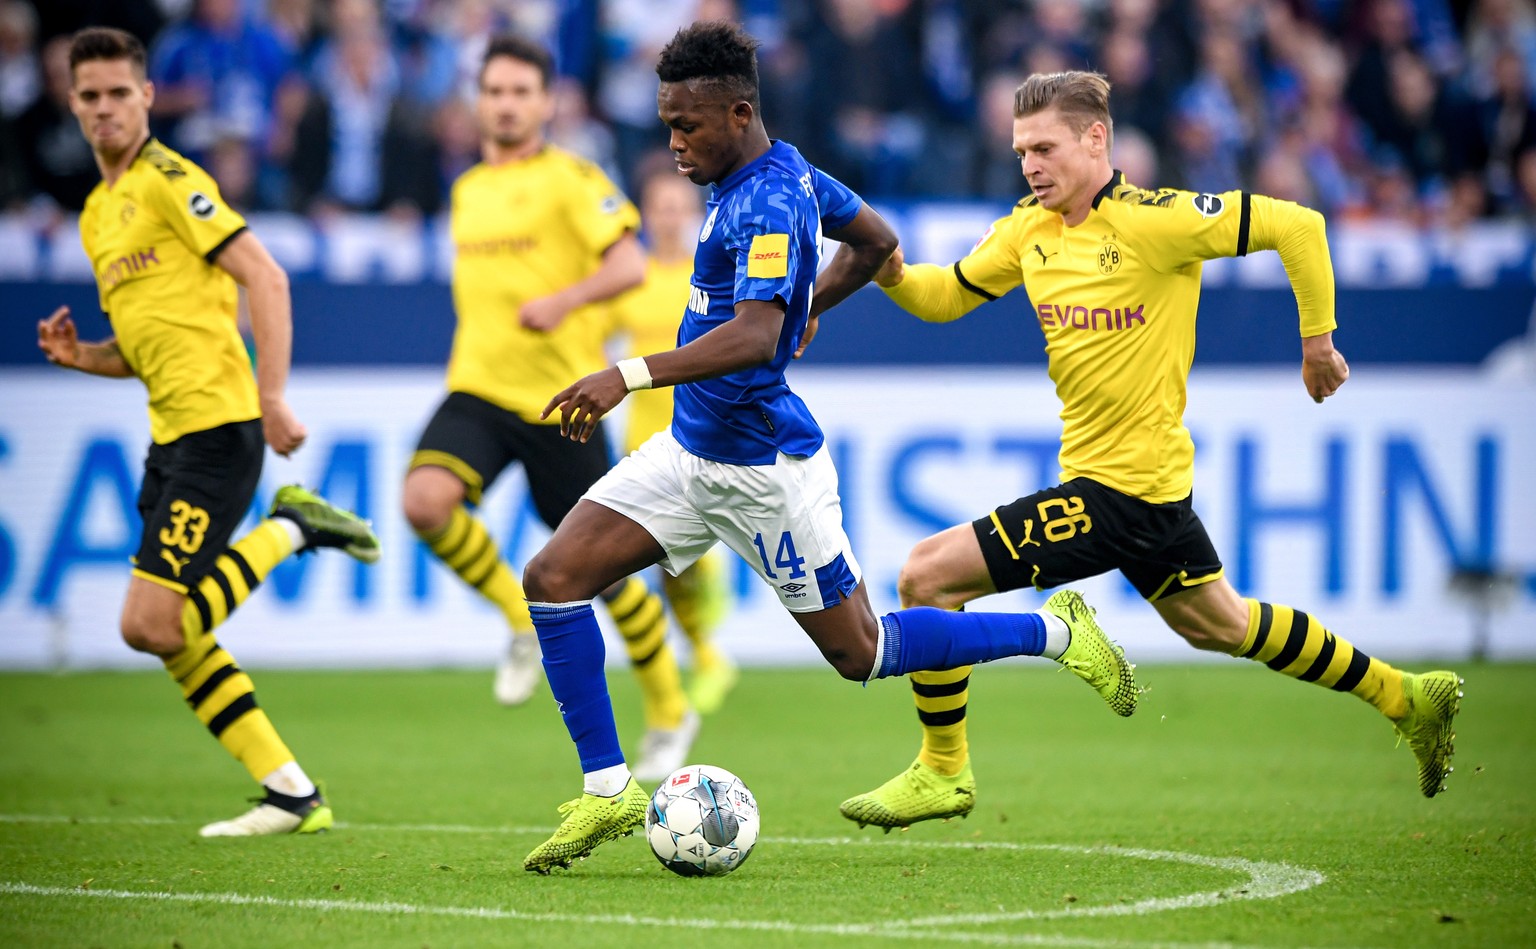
1043 255
177 563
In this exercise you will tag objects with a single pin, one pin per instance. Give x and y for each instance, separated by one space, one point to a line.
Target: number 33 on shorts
188 524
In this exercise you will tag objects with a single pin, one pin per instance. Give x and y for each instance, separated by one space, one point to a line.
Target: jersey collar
1116 179
736 177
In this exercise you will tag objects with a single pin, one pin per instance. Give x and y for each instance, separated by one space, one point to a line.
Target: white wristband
637 375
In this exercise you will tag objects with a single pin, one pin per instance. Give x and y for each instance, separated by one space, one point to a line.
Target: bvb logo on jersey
1109 259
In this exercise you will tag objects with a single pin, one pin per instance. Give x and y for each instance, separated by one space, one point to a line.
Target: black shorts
1082 529
197 489
477 440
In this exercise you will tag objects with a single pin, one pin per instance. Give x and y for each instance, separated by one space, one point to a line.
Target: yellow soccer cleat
1434 698
590 820
1092 657
917 794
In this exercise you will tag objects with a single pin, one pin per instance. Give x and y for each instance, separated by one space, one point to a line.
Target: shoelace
1080 666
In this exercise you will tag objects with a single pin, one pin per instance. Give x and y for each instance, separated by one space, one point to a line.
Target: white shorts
785 519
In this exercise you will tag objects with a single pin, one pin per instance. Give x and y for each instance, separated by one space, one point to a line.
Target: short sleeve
761 239
836 201
599 212
189 201
992 267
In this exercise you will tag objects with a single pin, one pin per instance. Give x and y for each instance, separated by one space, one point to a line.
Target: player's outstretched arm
931 293
266 285
622 268
749 339
60 342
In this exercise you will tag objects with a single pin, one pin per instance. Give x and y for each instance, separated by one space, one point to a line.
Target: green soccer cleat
590 820
1434 698
1092 657
276 814
324 524
917 794
707 688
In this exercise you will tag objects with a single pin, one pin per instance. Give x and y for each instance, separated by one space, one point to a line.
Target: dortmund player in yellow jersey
1113 273
539 236
672 209
167 253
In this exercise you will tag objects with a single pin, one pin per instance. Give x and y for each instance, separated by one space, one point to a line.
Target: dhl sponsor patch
768 256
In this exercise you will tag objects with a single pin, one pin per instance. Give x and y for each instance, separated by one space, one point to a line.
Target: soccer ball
702 821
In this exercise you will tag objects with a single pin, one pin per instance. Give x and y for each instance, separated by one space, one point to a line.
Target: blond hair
1081 97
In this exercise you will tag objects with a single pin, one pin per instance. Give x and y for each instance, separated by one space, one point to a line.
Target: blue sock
573 662
924 639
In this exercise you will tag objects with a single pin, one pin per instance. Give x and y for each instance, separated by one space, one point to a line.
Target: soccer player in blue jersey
744 461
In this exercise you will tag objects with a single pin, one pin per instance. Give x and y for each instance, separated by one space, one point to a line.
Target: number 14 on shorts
784 557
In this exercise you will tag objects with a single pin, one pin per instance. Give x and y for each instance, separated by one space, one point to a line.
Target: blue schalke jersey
761 240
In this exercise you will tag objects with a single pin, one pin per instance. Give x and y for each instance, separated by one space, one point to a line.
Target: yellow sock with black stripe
941 699
698 600
1293 643
222 698
642 621
467 548
220 694
238 571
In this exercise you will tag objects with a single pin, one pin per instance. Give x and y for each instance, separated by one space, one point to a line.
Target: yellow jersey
650 314
152 238
1116 298
523 230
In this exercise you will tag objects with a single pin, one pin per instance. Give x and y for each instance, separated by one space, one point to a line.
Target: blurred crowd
1418 111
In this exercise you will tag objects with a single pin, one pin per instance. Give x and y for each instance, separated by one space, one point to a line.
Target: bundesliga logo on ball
702 821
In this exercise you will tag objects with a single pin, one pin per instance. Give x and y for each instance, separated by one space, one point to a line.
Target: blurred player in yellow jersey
540 235
671 210
167 253
1113 273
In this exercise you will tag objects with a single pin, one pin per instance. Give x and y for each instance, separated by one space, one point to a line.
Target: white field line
1266 880
875 930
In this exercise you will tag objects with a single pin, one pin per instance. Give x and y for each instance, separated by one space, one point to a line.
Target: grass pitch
1236 808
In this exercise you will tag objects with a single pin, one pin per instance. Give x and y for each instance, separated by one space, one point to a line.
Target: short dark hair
719 53
524 50
104 42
